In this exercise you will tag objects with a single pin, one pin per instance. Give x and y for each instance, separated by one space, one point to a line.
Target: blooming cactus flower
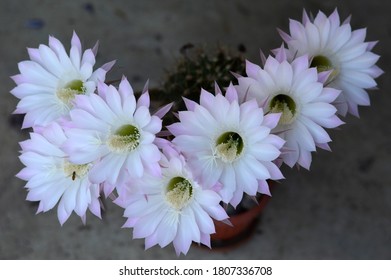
172 207
334 47
51 178
293 90
49 81
115 132
230 143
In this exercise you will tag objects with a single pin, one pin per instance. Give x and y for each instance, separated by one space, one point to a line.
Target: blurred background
341 209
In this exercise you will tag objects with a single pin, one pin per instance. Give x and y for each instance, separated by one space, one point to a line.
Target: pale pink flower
51 178
171 208
115 132
293 90
333 46
49 81
230 143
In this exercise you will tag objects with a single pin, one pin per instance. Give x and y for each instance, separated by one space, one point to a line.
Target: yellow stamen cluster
284 104
69 91
126 139
179 192
229 146
75 171
228 151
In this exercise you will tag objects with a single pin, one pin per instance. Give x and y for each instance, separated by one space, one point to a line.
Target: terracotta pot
243 225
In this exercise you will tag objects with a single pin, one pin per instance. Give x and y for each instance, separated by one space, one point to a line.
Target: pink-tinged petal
24 90
246 178
340 38
209 201
218 89
62 215
324 146
167 229
144 100
86 71
151 240
134 165
292 156
142 116
108 188
142 206
251 115
318 133
334 18
304 138
82 146
36 74
150 153
95 48
285 74
328 95
271 65
264 152
252 70
359 79
357 95
125 89
363 61
274 171
161 112
271 120
318 109
281 54
100 108
147 224
263 187
88 57
228 179
297 31
87 121
371 45
50 61
231 93
107 66
154 126
35 55
75 42
206 100
205 239
203 220
32 103
42 116
26 173
305 159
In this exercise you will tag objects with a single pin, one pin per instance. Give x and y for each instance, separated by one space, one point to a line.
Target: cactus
197 69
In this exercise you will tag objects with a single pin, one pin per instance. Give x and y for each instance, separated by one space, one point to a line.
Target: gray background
339 210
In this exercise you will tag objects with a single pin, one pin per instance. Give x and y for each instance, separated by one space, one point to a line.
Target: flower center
282 103
229 146
125 139
75 170
68 92
179 192
322 63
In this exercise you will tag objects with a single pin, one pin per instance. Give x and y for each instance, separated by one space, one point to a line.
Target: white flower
116 133
229 143
50 80
52 178
171 208
293 90
332 46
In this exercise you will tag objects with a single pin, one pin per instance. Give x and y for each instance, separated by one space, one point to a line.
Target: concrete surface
341 209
